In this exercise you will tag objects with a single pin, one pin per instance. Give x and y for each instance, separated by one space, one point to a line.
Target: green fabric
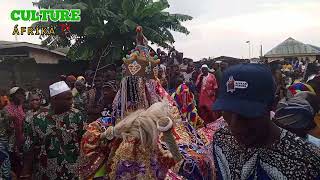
101 172
55 141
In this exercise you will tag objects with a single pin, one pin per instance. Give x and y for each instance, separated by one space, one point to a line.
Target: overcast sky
221 27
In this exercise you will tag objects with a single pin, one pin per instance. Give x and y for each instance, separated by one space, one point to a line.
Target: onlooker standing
183 67
16 115
252 146
207 86
217 71
55 136
187 75
80 99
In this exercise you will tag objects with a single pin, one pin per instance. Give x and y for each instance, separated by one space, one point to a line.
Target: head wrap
81 78
204 66
299 87
71 78
13 90
295 114
58 88
36 92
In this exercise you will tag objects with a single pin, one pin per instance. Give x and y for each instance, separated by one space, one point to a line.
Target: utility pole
249 44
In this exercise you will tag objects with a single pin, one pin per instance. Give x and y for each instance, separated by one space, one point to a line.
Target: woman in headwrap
207 86
34 100
297 115
34 103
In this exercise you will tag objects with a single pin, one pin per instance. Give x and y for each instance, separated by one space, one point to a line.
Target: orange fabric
4 100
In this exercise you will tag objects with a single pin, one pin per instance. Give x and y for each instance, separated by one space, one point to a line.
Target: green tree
110 25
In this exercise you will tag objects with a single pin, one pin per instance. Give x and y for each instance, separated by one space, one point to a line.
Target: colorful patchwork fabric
94 150
55 141
198 164
134 161
207 133
299 87
185 102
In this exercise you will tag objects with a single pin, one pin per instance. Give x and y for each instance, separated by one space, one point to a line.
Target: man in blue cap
252 146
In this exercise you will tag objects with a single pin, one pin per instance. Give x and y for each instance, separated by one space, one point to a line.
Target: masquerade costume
139 122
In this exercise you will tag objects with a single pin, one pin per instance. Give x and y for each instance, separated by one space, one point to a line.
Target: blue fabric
5 165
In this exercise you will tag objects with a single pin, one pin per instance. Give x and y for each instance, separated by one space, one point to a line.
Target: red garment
207 96
18 116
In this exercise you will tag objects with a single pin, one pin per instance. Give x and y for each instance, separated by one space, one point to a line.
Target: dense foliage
110 25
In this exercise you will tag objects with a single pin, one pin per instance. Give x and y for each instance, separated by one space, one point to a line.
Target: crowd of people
165 119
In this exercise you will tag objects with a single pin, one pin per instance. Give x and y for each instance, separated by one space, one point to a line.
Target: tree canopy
110 24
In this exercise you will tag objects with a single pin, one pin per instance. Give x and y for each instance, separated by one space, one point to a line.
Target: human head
61 97
159 51
34 101
17 95
98 81
80 85
109 92
88 75
81 78
205 69
70 81
297 114
216 65
62 77
245 98
185 61
190 67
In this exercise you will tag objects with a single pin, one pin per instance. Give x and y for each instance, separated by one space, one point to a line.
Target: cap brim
242 107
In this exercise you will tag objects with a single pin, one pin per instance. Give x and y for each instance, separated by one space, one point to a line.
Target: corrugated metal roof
293 47
10 44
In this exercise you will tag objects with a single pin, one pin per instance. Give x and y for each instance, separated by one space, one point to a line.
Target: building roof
10 44
292 47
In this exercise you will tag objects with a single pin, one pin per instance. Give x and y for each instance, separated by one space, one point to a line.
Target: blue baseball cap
246 89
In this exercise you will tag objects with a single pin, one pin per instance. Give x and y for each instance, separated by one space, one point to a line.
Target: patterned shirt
289 158
55 141
5 124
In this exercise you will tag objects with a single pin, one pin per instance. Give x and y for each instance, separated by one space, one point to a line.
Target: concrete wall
25 72
44 57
